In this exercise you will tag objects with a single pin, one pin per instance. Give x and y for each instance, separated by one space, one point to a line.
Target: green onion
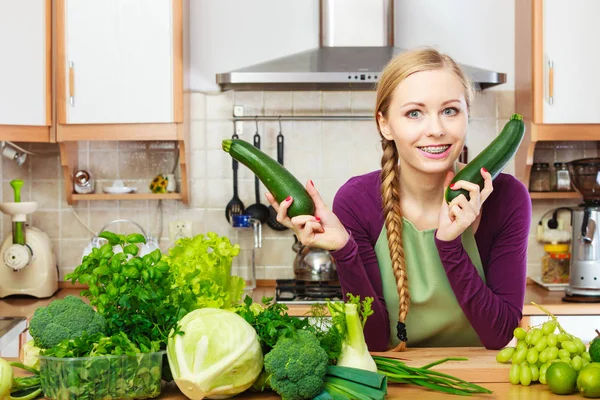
398 372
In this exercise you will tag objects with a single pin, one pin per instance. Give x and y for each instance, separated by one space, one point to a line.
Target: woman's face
427 119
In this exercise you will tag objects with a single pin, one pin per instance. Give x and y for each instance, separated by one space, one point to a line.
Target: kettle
313 264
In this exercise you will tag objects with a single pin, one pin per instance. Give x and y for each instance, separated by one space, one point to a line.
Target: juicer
584 275
27 262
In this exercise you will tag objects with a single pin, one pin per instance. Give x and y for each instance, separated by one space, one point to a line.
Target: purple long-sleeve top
494 307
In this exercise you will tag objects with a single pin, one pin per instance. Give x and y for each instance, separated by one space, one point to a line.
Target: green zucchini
493 158
276 178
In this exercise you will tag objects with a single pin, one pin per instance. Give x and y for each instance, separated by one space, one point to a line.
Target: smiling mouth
435 149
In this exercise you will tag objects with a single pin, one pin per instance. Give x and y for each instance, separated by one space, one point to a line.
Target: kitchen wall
326 152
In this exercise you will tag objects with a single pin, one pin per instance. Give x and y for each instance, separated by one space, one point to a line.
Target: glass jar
539 181
556 263
563 180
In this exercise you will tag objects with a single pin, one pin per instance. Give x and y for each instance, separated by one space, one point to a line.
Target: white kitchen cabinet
571 61
25 70
118 61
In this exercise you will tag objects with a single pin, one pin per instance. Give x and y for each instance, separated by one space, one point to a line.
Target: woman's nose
435 128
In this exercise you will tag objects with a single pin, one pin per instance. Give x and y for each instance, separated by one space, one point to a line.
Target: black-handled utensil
235 205
272 221
257 210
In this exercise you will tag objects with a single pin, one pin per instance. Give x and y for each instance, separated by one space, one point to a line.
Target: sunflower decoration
159 184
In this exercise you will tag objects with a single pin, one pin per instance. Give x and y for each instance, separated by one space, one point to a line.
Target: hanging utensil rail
303 118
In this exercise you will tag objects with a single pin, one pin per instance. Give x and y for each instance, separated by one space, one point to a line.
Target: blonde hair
398 69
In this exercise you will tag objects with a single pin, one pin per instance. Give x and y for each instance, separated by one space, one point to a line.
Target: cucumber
493 158
276 178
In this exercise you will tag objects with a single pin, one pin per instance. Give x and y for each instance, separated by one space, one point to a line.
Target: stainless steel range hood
347 59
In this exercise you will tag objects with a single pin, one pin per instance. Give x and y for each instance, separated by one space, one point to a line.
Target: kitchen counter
481 368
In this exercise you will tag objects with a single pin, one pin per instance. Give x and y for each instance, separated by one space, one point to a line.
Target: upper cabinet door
571 59
118 61
25 72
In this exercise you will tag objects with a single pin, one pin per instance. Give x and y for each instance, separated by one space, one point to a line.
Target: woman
460 266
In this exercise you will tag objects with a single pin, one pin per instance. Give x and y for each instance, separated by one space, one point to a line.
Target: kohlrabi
349 318
217 356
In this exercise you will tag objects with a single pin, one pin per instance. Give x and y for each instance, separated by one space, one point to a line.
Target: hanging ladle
272 221
257 210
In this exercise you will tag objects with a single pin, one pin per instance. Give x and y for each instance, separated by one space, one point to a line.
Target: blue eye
413 114
450 111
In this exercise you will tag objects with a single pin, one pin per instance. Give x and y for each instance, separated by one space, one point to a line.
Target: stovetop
295 291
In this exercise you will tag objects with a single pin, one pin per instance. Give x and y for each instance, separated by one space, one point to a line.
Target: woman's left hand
457 216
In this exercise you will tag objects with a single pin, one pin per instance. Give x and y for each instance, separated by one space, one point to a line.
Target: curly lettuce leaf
204 262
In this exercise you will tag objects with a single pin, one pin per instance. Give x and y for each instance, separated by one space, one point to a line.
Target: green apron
434 318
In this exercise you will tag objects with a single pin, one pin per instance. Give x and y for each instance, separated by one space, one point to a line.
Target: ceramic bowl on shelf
118 187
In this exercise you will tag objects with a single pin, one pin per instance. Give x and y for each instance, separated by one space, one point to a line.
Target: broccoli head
64 319
296 366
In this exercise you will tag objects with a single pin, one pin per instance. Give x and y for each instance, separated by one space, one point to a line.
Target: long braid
390 195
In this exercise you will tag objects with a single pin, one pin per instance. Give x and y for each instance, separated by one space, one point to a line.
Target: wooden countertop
25 306
481 368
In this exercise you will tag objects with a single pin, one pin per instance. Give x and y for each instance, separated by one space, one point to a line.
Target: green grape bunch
540 346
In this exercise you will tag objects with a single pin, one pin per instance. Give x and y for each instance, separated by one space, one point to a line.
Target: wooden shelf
554 195
127 196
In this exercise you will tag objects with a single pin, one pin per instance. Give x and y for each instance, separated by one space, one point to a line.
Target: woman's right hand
323 230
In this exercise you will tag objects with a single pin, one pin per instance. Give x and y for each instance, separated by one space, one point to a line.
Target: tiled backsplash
328 152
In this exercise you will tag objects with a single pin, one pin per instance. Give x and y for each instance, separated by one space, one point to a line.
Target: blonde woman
441 274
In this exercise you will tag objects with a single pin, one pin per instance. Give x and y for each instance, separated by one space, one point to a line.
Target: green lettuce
204 263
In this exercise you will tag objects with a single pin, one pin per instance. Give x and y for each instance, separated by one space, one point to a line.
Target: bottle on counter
556 263
562 178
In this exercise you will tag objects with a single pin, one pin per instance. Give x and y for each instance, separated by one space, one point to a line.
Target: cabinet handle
71 83
551 82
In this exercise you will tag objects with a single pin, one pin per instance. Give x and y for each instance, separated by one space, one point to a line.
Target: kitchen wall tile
48 222
197 190
534 269
47 194
162 162
100 218
219 105
307 103
102 164
277 103
276 252
363 102
251 101
218 164
197 106
214 221
71 252
217 131
484 105
197 164
336 137
197 135
71 228
505 101
124 205
337 103
10 169
220 192
279 273
133 165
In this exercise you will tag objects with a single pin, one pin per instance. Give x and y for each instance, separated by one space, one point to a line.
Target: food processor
584 275
27 264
